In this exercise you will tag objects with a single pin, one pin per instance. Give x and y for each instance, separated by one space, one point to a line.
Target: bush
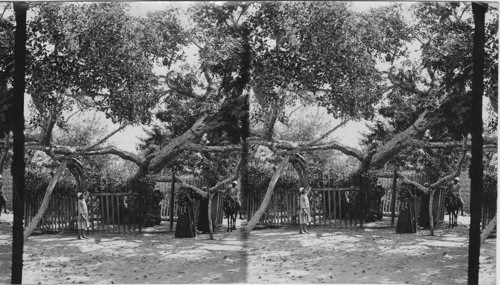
36 183
490 193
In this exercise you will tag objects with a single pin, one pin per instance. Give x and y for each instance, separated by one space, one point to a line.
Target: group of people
186 226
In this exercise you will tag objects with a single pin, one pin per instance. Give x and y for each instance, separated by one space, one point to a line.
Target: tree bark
45 203
172 200
489 229
403 139
245 156
431 211
476 166
210 222
428 207
300 165
407 221
18 164
78 172
267 198
165 156
393 200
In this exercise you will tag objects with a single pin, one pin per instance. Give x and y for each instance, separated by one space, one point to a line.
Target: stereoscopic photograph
272 142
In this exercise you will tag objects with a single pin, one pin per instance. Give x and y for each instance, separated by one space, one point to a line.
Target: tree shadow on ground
5 250
368 255
327 255
135 258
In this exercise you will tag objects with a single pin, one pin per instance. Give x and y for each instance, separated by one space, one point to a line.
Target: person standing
185 227
82 221
3 199
305 212
455 189
234 192
203 223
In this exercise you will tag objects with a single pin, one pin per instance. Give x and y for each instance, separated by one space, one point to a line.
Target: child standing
82 221
304 213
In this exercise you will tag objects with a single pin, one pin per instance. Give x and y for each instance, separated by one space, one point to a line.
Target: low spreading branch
457 171
101 141
488 143
69 151
314 142
219 187
216 148
442 180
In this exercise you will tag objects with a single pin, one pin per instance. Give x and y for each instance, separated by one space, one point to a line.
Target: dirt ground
375 254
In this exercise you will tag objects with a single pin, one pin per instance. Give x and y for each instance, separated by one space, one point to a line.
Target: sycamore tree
277 53
96 56
423 103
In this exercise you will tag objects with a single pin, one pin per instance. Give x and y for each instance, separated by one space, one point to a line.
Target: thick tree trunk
78 173
428 206
403 139
407 220
476 165
45 203
210 222
18 163
172 200
300 165
489 229
245 155
431 211
267 198
393 200
165 156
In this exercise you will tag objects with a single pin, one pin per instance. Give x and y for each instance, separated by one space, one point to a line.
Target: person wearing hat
234 192
83 218
455 189
3 199
305 213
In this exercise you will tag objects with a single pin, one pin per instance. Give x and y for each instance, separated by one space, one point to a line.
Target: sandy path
370 255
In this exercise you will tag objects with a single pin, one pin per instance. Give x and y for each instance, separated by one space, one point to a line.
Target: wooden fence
329 208
386 179
61 213
165 186
487 216
387 184
330 202
113 212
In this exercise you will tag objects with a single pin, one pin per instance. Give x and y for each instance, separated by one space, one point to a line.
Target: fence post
172 200
393 200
